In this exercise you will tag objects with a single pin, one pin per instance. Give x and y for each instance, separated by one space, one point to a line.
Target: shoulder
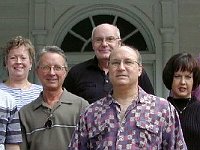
2 84
98 107
195 102
4 87
35 103
83 65
72 98
6 99
156 102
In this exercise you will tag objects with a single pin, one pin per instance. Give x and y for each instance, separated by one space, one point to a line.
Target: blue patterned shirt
150 123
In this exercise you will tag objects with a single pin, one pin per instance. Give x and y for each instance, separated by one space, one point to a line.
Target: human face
105 39
52 78
124 68
182 84
18 63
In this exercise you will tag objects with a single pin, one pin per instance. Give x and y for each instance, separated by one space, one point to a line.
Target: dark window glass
78 39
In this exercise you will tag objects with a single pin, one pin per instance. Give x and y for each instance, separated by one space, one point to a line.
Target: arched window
78 39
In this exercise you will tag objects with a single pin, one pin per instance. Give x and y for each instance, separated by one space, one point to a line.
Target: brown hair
17 42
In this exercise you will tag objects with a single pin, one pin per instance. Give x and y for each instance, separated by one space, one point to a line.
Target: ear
140 68
119 42
5 62
30 67
66 72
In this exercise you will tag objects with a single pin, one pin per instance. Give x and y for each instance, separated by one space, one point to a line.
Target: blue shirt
149 123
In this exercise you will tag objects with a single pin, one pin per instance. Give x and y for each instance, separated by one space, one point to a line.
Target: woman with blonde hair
19 59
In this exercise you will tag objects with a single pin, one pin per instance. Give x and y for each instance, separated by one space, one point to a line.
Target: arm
24 144
13 129
12 147
79 138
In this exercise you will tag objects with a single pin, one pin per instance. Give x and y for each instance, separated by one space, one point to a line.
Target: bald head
122 50
104 27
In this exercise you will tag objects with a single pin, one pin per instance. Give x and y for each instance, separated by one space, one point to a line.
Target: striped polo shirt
23 97
10 130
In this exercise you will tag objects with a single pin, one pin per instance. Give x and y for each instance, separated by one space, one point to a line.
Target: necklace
179 109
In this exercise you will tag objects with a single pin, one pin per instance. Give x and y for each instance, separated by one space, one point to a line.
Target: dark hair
183 62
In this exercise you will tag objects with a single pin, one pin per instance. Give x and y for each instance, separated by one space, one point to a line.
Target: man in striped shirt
10 131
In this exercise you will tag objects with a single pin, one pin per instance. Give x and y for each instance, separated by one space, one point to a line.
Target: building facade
158 28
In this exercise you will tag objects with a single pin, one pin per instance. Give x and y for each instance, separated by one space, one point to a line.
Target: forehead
183 72
123 53
105 31
51 58
21 49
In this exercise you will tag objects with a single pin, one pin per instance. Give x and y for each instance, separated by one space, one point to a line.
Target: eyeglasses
110 39
126 62
56 68
49 123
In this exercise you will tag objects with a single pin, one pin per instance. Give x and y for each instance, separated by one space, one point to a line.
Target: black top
190 120
87 80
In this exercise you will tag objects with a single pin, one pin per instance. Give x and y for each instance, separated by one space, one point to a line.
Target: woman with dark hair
181 75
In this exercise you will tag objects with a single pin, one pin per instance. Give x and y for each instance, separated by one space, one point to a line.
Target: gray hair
51 49
115 27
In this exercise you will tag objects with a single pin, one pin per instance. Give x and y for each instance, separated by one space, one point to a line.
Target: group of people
107 102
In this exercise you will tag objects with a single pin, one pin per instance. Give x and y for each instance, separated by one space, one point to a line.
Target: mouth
105 50
52 80
182 89
18 68
121 75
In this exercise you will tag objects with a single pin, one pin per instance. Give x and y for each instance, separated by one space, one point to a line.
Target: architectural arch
134 15
151 59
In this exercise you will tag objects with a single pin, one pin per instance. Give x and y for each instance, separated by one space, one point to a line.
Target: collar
141 97
65 99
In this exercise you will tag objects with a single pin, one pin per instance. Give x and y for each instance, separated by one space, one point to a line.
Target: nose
52 70
183 81
104 42
19 60
122 66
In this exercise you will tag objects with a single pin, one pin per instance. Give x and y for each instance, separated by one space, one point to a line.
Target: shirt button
121 129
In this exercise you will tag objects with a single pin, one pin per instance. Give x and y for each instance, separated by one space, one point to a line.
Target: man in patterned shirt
10 130
128 118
